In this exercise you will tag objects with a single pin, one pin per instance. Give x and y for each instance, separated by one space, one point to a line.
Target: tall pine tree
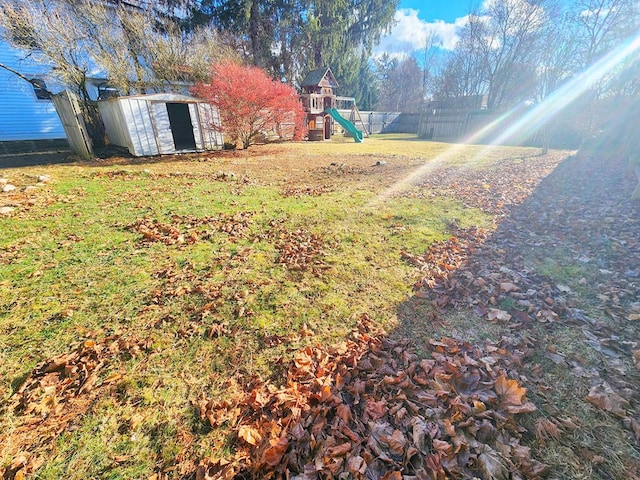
291 37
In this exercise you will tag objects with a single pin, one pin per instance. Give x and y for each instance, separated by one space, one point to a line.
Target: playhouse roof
316 77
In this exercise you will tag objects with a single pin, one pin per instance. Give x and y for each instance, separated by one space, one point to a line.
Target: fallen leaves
217 302
57 381
371 408
298 250
473 270
302 251
548 217
604 397
187 230
58 391
444 257
249 435
306 190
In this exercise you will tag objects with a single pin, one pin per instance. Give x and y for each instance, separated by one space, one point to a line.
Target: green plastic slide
346 124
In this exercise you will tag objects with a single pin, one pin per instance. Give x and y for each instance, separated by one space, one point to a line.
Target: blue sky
437 9
417 20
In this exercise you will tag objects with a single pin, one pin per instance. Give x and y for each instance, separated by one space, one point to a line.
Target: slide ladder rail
356 119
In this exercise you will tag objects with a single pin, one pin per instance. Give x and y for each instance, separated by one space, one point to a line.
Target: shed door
181 126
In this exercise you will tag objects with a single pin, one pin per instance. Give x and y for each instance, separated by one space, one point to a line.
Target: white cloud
410 34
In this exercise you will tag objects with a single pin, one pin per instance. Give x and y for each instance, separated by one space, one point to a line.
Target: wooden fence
473 127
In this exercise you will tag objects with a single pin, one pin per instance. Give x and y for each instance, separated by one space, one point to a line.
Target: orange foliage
251 104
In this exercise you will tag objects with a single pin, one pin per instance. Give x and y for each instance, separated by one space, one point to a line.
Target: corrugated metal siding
195 123
22 115
114 123
137 116
141 123
163 127
210 116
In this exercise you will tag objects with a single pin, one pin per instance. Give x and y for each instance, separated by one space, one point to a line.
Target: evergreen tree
291 37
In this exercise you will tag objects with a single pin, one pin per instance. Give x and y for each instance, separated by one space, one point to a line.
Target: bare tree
401 84
431 64
134 47
496 52
465 71
599 26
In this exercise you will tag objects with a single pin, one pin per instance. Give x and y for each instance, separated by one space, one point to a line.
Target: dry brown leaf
441 446
392 476
396 442
340 450
526 407
249 435
375 410
419 433
508 287
604 397
492 464
344 412
546 430
356 464
509 390
273 455
495 314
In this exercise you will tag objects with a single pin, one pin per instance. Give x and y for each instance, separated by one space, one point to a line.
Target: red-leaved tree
251 104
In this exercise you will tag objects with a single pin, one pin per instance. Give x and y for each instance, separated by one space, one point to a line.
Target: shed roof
159 97
315 77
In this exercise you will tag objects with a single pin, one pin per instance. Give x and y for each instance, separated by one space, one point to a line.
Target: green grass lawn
219 276
74 268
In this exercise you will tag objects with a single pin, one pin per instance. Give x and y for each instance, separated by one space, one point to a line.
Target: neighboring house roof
321 76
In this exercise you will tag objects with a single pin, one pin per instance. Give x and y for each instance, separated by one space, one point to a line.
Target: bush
251 104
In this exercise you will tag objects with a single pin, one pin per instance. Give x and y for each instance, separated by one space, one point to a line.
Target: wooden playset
320 102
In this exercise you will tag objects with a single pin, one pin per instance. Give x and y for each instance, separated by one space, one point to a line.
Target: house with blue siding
26 112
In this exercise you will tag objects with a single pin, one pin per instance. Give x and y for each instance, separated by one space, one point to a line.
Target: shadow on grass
36 159
563 271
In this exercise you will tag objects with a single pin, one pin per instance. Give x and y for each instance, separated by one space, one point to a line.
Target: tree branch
25 78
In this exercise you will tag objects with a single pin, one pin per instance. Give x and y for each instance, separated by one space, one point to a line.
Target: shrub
251 104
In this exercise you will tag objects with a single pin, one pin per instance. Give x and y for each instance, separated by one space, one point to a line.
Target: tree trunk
254 33
92 118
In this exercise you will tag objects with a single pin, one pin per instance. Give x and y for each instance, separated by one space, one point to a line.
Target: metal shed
161 123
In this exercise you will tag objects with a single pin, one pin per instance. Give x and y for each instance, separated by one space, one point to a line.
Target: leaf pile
371 408
216 300
187 230
11 253
298 250
468 271
58 391
340 169
445 256
581 218
302 251
312 191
